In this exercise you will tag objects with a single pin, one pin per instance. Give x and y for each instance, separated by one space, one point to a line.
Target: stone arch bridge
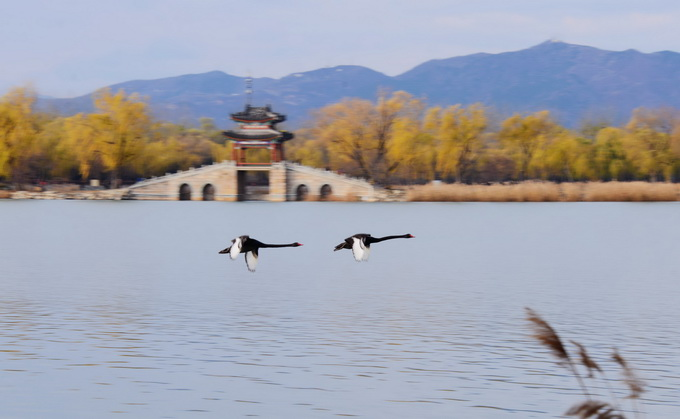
227 181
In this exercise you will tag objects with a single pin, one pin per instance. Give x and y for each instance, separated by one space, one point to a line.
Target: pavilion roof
258 114
269 135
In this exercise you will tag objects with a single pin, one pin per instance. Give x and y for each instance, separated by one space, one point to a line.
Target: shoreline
529 191
103 194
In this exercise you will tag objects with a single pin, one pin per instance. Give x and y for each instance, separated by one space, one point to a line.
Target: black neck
380 239
279 245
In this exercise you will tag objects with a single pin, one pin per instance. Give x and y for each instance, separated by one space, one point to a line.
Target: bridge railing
180 173
338 176
245 164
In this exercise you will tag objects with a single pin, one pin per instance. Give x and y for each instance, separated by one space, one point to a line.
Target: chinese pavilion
257 130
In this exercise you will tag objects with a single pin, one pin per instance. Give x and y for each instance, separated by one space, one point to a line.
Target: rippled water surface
125 309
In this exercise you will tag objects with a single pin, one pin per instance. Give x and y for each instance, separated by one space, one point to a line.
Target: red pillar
276 153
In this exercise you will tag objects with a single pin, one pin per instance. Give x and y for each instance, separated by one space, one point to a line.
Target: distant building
257 130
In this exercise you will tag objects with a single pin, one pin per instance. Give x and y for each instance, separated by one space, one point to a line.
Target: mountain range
576 83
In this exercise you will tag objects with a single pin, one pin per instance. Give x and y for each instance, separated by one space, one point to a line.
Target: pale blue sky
67 48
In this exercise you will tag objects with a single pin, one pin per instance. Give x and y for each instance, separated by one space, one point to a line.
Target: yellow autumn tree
221 152
568 157
653 135
111 138
415 149
18 131
307 149
359 133
50 158
121 129
458 135
525 137
81 142
173 147
610 162
166 155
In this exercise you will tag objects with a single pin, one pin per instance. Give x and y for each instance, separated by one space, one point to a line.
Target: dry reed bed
534 191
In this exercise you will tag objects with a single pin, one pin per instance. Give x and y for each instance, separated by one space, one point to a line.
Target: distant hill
574 82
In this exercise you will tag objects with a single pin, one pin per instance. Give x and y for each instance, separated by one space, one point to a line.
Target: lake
126 309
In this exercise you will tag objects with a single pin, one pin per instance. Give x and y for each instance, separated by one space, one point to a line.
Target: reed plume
586 360
590 408
545 334
592 366
594 409
635 385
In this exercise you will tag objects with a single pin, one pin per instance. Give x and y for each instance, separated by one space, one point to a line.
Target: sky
68 48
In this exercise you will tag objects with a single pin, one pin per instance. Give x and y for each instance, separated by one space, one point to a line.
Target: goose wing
236 246
347 244
228 249
360 249
251 260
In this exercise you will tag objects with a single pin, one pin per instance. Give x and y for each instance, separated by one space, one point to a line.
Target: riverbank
103 194
534 191
530 191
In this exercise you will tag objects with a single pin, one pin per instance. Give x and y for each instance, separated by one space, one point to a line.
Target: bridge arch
301 192
185 192
228 182
208 192
325 192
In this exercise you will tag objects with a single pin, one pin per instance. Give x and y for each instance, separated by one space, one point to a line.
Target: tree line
118 142
396 138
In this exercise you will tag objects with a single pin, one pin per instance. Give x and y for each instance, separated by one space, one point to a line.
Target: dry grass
631 191
590 408
535 191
